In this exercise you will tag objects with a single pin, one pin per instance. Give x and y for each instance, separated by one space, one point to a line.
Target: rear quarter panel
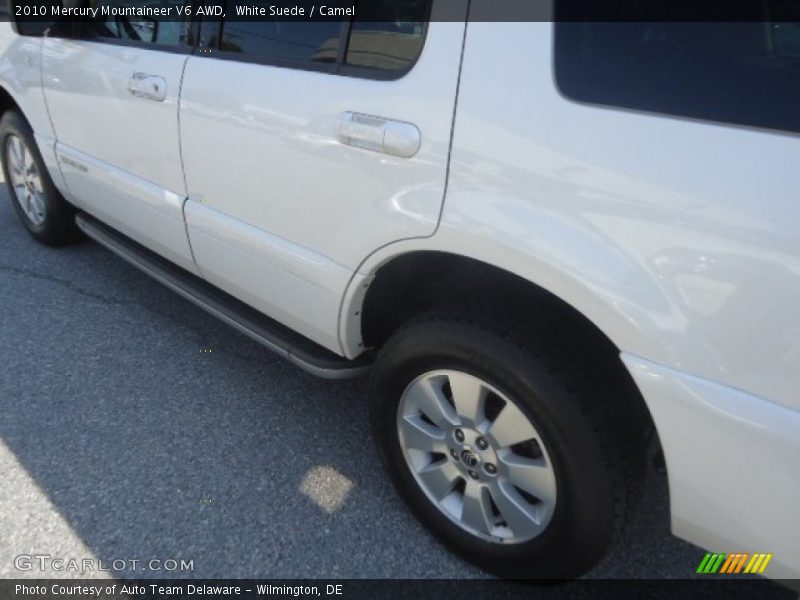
679 238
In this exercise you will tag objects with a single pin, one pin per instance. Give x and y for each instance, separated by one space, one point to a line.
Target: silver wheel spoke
16 153
440 478
14 160
27 159
469 396
15 172
36 180
533 476
27 203
510 427
477 512
420 435
520 516
30 201
38 208
426 396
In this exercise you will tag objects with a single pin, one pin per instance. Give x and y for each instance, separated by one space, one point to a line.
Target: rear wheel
476 456
513 458
45 213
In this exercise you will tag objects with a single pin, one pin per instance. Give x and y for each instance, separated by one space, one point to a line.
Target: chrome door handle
147 86
376 133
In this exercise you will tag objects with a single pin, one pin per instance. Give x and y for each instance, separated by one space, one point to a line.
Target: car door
307 146
112 94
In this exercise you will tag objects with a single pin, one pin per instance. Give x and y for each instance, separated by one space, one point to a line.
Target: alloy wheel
477 456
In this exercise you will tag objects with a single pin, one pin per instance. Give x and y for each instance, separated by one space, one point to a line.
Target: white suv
551 244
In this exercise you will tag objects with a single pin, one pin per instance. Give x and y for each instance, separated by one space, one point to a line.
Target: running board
301 351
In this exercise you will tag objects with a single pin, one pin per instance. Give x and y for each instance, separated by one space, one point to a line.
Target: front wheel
510 462
48 217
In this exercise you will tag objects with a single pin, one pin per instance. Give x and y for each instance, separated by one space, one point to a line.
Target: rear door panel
261 153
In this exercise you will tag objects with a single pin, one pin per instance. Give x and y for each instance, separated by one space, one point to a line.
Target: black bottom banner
369 589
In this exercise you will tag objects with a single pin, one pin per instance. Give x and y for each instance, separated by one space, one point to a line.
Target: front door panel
114 109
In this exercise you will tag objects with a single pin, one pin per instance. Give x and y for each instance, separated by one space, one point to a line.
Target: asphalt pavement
135 426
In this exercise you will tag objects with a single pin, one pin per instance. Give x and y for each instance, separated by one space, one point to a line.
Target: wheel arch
392 287
8 102
628 314
39 122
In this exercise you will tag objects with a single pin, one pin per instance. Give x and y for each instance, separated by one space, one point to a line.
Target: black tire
58 225
594 437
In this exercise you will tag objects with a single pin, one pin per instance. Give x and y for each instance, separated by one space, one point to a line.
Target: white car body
677 238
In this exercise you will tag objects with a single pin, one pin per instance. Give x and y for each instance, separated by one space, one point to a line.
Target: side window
385 36
312 41
740 73
122 21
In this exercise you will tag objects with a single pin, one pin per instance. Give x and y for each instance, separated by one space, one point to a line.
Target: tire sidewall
579 530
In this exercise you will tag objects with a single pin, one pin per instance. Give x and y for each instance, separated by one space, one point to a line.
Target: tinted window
386 35
283 40
742 73
129 27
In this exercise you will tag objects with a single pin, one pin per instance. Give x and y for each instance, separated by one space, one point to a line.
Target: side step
298 349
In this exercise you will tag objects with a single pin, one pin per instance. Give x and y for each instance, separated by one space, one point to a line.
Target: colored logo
731 564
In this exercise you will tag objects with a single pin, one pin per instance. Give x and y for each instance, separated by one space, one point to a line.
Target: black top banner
407 11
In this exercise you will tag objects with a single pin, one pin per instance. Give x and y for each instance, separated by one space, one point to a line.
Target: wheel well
417 282
6 102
